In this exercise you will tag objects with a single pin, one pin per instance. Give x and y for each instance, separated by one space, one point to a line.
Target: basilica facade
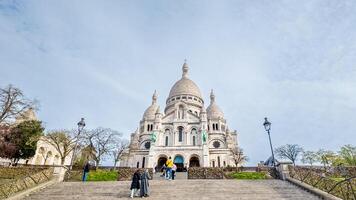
185 131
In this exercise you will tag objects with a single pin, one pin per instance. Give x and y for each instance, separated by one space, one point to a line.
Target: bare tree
238 156
103 140
309 157
13 103
289 151
119 149
63 141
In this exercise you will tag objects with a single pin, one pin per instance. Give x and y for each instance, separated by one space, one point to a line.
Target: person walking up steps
169 165
135 184
174 169
144 189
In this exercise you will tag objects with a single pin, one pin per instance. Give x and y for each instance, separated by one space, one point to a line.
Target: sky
292 61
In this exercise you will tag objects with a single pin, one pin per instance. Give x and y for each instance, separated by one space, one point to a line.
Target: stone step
178 175
178 189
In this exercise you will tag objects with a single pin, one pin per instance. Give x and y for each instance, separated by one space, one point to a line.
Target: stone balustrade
16 179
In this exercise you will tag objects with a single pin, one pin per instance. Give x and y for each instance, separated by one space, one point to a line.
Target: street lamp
267 126
81 125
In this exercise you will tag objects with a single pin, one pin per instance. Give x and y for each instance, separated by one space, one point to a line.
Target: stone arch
143 144
56 160
39 158
48 158
161 160
194 161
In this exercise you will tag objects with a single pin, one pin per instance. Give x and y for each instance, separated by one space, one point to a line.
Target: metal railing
342 187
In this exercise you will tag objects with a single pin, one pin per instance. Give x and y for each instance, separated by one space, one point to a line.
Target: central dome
185 86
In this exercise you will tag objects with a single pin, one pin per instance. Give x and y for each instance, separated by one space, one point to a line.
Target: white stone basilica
187 132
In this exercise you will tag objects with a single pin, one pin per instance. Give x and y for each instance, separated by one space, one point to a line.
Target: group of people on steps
169 169
140 185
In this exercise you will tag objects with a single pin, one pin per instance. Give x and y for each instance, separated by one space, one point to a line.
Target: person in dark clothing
135 184
86 170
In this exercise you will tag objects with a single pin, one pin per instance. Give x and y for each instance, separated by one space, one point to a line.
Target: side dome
213 110
150 112
185 86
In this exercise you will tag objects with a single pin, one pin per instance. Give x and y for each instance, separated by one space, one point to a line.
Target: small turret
150 112
185 69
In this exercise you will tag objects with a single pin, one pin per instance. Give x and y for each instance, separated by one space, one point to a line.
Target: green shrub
103 175
249 175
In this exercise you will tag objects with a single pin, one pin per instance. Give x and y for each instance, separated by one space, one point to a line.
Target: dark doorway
194 162
161 161
179 162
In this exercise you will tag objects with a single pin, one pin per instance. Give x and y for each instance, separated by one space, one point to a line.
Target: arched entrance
194 162
160 162
179 162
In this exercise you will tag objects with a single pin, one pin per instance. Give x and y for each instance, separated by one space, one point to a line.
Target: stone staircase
178 176
177 189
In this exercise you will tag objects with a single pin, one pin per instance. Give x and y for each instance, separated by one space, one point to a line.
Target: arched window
166 141
148 127
151 127
218 161
217 126
138 165
143 162
213 163
180 134
194 133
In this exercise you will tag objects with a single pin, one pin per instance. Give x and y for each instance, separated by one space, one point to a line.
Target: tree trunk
97 164
115 164
63 160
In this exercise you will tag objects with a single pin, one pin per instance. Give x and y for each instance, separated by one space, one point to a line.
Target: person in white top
174 169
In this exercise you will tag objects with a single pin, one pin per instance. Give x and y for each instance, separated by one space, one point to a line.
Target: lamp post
81 125
267 126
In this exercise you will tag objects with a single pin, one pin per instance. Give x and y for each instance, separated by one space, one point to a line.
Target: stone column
283 169
150 157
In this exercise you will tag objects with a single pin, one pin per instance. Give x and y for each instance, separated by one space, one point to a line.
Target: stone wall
205 173
125 174
222 173
16 179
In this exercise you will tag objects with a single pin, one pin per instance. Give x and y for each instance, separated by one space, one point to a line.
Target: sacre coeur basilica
185 131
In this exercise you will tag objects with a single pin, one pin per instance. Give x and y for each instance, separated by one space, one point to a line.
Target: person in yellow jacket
169 165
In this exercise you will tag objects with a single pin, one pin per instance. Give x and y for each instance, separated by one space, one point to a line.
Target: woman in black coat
135 184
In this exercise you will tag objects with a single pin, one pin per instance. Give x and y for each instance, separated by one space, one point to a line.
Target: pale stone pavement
177 189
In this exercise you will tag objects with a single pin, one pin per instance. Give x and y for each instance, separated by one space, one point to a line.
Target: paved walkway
177 190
